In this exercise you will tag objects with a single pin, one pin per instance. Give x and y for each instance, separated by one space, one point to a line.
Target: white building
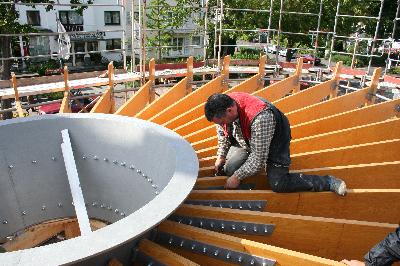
104 27
100 29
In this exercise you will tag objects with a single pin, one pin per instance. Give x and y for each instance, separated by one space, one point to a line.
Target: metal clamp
231 256
225 226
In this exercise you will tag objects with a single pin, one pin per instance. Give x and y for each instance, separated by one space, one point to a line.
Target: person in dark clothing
385 253
253 134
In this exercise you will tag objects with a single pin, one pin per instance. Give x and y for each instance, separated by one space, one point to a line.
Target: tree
165 19
9 25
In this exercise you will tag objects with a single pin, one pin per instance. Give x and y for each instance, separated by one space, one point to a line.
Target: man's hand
353 262
232 182
219 163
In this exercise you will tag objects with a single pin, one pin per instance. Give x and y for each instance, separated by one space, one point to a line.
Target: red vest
248 107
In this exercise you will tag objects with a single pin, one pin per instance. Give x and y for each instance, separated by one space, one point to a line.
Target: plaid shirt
262 132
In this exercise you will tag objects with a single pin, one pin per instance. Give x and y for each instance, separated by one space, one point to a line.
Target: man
385 253
252 135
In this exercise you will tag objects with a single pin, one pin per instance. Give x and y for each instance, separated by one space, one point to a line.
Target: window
70 18
33 17
177 44
196 40
92 46
112 18
112 44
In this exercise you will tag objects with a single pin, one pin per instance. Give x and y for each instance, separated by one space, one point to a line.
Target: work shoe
337 185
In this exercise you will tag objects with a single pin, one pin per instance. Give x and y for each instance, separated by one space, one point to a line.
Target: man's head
221 109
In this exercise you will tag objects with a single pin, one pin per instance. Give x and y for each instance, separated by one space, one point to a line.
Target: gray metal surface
251 205
230 256
225 226
128 168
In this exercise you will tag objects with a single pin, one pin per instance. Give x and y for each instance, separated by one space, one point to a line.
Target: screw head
154 186
53 158
138 171
43 207
5 222
116 211
34 161
59 205
94 204
105 159
23 212
95 157
84 157
156 192
109 208
132 167
115 162
122 214
123 164
11 166
102 206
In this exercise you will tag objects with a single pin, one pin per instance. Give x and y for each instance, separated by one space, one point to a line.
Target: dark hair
216 105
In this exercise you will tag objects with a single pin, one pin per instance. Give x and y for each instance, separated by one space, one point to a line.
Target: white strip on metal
75 186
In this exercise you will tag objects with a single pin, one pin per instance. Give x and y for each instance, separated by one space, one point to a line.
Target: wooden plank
17 101
205 143
152 78
161 254
72 230
333 106
376 152
281 255
65 104
192 126
259 180
324 237
34 236
311 95
106 103
281 88
207 161
137 102
374 86
201 134
373 205
207 152
189 101
349 119
384 175
374 132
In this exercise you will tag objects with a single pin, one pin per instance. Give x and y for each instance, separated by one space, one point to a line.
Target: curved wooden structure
349 136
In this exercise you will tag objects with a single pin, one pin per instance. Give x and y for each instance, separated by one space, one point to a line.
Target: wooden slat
106 103
192 126
373 205
324 237
333 106
311 95
374 132
281 88
17 101
72 230
207 152
206 171
162 255
65 104
375 175
281 255
35 235
205 143
260 180
374 86
207 161
189 101
365 115
201 134
377 152
137 102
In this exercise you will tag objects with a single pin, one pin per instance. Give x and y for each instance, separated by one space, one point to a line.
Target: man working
253 134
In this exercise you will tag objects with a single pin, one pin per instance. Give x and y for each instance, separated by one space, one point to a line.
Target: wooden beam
189 74
384 175
324 237
282 256
333 106
205 143
189 101
309 96
374 86
152 78
376 152
162 255
375 132
336 76
373 205
106 103
281 88
72 230
349 119
65 104
177 92
34 236
207 152
137 102
201 134
18 105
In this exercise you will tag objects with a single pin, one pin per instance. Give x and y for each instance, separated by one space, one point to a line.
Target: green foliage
246 53
346 59
395 70
42 67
